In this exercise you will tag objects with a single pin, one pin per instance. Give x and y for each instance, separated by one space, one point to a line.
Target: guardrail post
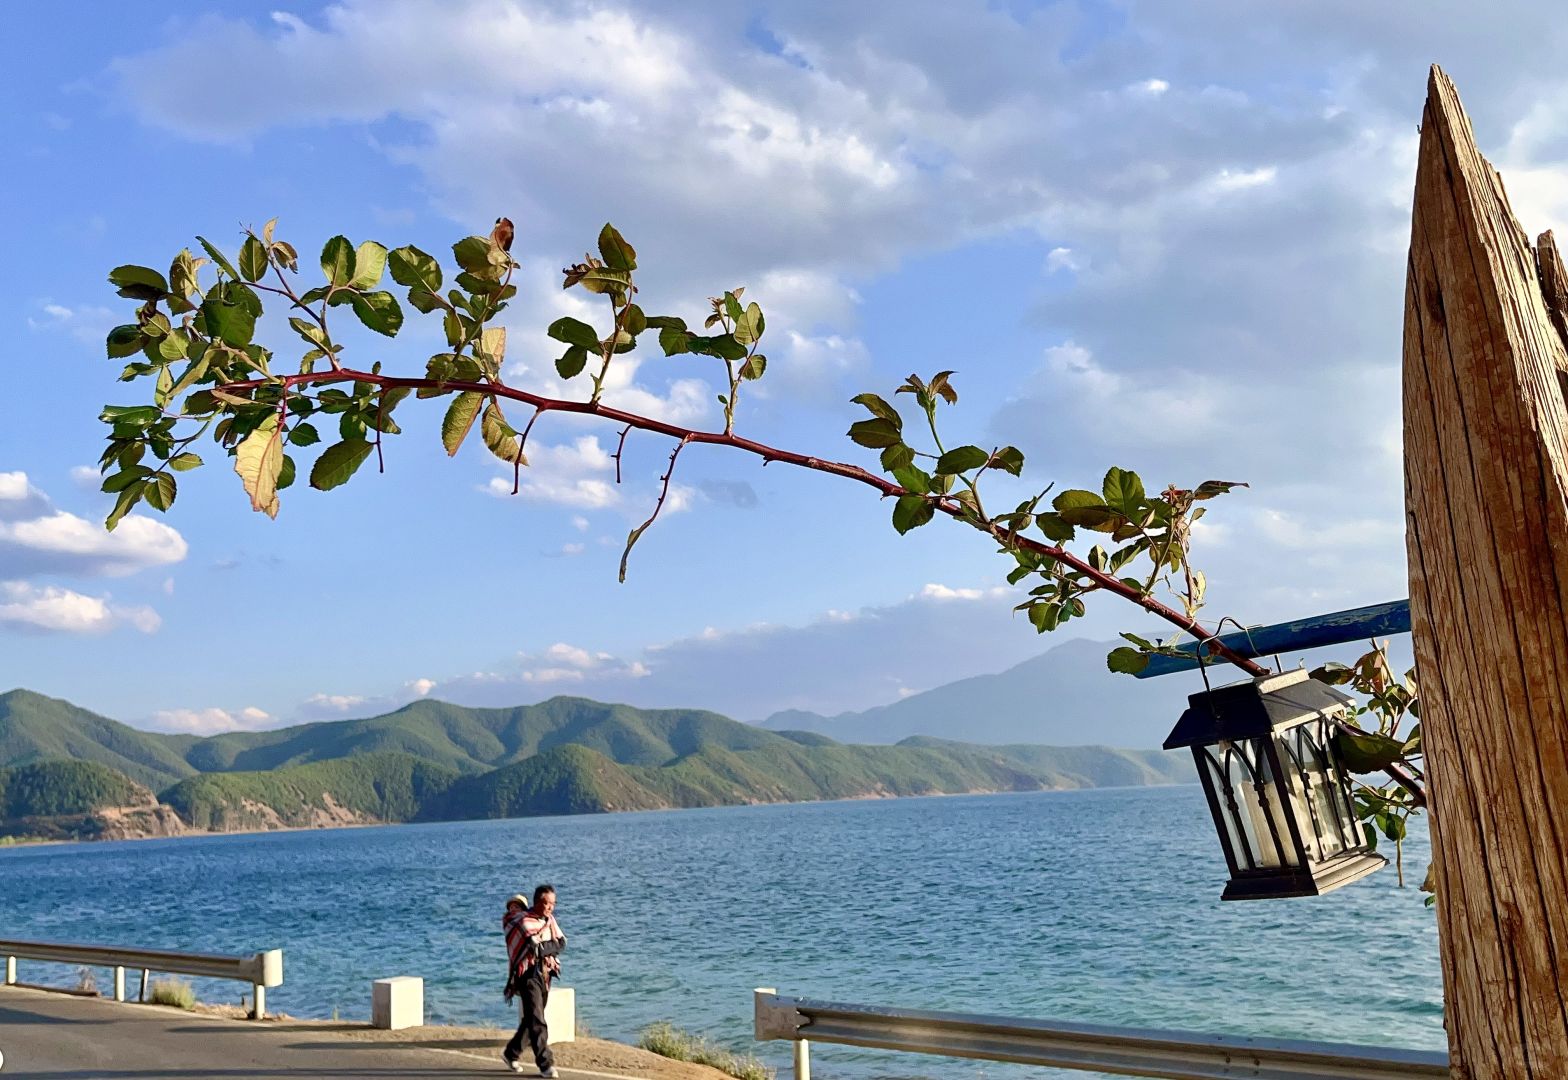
10 971
802 1060
141 994
119 983
260 1001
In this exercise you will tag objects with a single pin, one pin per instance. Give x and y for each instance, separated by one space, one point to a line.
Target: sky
1169 238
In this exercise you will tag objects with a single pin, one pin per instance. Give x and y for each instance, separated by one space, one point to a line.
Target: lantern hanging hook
1251 645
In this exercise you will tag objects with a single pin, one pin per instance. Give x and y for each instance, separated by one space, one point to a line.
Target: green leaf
379 311
913 478
961 459
1009 460
879 407
675 341
304 435
182 280
634 322
184 462
138 282
1127 661
501 437
412 267
754 366
258 461
614 250
1367 751
286 474
601 280
491 347
1123 490
911 512
124 341
1055 529
572 362
253 259
230 323
370 261
129 497
666 322
574 332
218 257
1210 488
1045 616
875 434
161 491
338 462
1085 508
896 457
459 419
748 328
337 260
481 256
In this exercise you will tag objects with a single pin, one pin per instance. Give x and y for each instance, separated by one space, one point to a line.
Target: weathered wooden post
1486 489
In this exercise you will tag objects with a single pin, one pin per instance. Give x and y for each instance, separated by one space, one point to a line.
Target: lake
1098 906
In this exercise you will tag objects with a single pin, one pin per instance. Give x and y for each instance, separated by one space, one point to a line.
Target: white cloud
210 721
37 538
935 591
1239 179
858 659
333 703
422 687
54 609
1150 87
88 324
579 523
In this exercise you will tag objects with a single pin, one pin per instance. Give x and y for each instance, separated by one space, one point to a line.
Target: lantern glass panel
1257 794
1324 813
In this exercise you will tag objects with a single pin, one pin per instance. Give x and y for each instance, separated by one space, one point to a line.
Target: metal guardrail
1174 1055
262 970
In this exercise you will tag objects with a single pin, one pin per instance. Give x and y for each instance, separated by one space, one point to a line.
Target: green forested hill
436 761
370 787
37 728
52 788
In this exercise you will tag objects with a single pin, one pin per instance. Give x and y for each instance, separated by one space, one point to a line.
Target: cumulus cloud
210 721
53 609
37 538
1228 194
856 659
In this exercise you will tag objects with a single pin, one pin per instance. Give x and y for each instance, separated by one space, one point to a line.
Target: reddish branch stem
1206 638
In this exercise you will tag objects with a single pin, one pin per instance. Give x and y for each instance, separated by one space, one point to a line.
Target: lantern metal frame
1276 787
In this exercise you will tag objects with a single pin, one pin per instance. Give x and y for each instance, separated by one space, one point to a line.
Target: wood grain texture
1486 488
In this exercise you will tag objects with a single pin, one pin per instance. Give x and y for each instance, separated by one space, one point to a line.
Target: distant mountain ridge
432 760
1063 697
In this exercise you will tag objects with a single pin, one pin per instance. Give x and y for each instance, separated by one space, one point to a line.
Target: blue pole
1333 629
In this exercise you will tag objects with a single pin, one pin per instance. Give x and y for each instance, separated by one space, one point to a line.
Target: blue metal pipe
1298 636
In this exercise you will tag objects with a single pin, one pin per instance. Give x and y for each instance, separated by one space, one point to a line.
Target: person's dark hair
540 891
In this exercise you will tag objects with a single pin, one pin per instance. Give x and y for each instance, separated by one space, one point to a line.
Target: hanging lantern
1279 794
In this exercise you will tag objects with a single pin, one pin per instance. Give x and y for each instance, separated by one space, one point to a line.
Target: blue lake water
1095 906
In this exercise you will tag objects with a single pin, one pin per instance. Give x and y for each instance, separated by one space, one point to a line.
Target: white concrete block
560 1014
398 1002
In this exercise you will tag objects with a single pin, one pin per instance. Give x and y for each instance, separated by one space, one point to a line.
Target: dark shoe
511 1062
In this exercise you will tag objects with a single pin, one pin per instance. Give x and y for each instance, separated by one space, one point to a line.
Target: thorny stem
664 492
619 447
768 454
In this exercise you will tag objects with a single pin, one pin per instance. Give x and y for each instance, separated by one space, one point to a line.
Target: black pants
535 992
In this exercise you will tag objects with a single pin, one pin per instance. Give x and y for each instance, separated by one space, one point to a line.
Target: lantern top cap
1247 710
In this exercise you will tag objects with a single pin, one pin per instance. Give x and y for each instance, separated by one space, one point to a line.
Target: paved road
48 1036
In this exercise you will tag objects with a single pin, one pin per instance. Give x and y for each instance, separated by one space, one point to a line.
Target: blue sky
1167 237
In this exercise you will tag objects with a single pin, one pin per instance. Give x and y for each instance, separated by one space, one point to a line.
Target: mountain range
65 771
1063 697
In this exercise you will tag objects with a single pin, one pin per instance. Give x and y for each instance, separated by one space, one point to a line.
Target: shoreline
18 842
